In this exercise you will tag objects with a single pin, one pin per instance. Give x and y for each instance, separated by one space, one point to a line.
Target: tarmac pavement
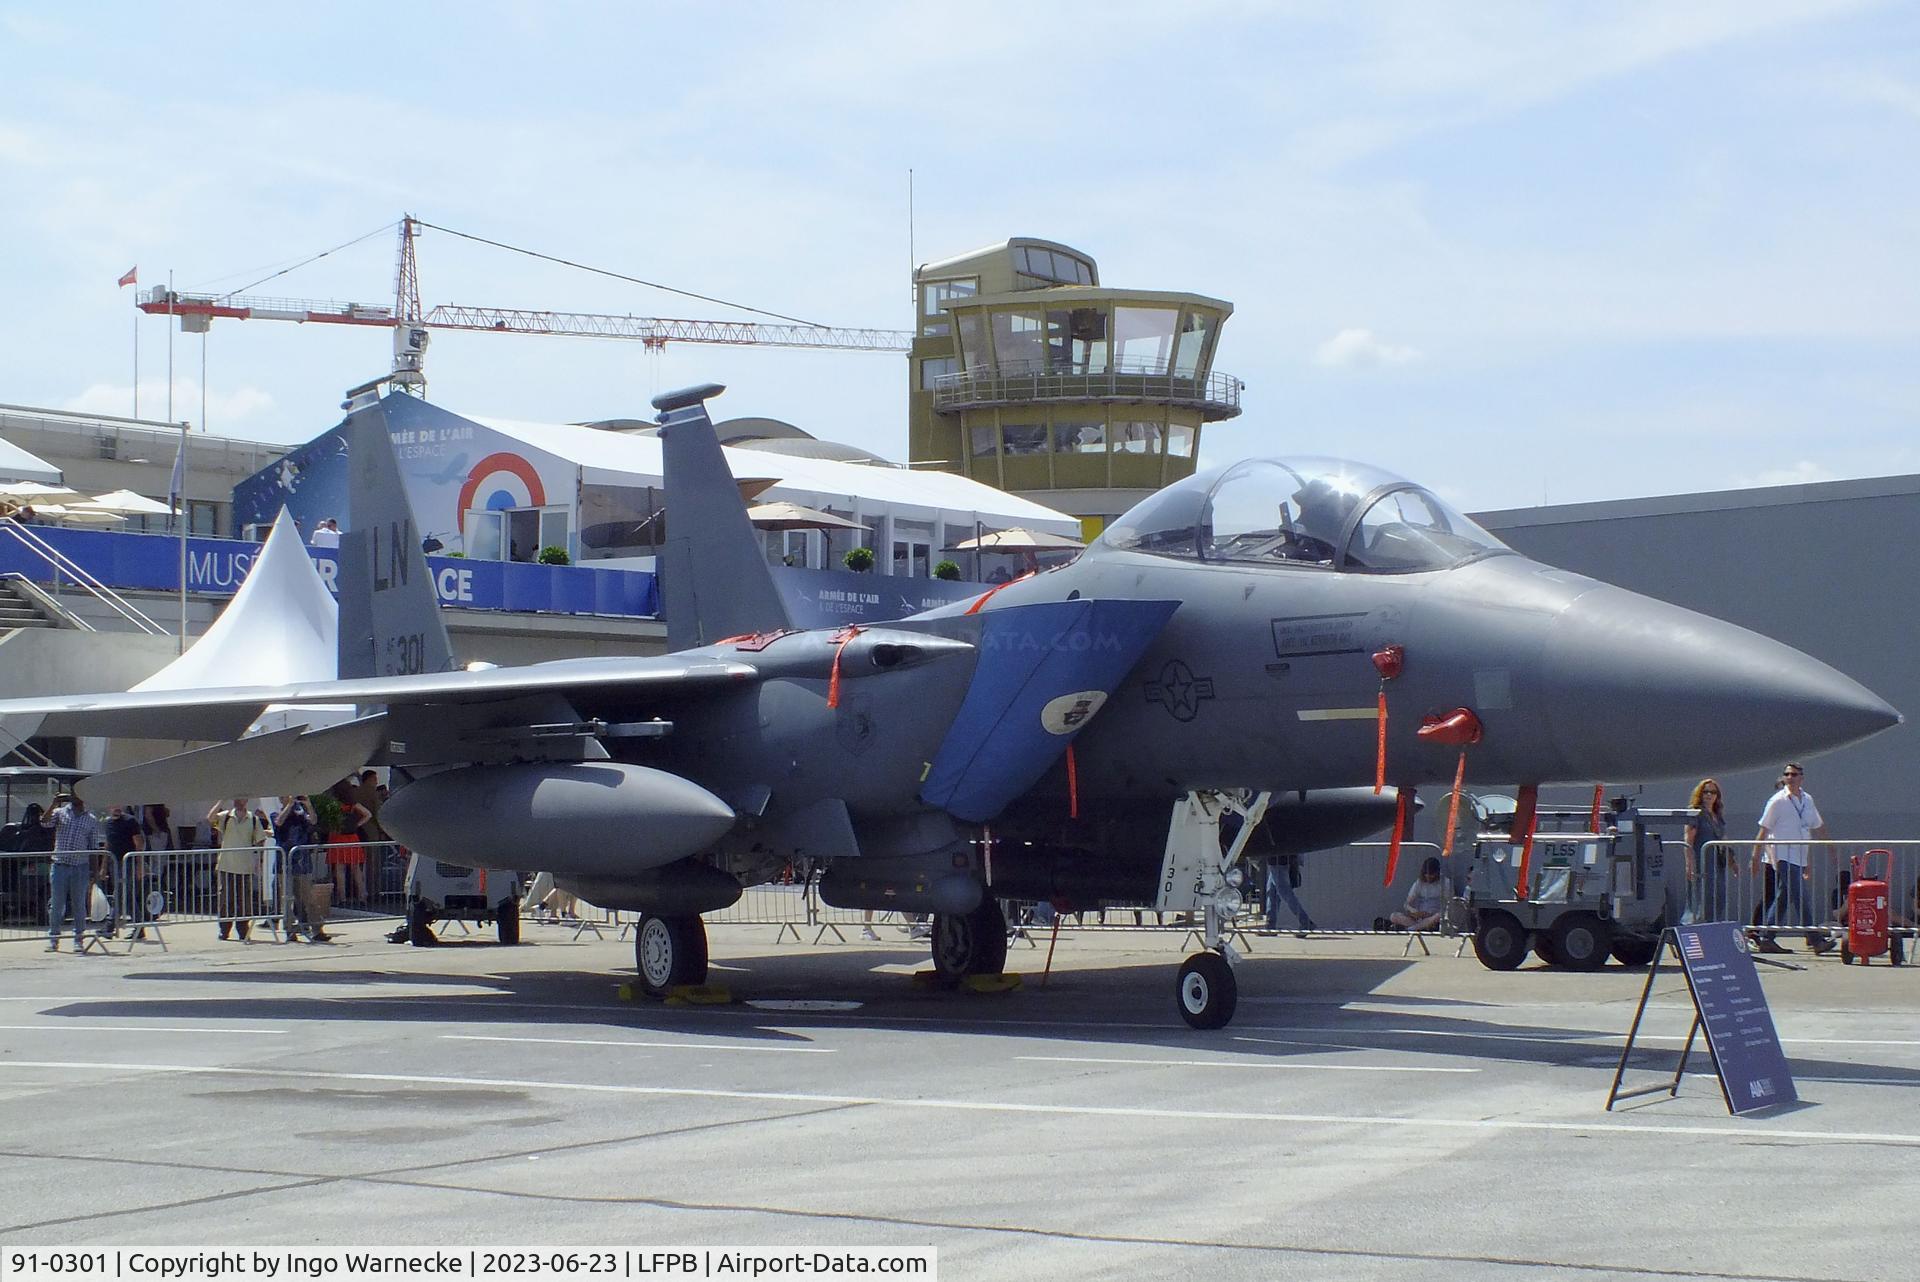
1365 1115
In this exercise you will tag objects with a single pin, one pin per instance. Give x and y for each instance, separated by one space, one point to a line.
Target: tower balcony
1214 394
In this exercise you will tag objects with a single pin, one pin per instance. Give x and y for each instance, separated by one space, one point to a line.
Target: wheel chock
931 979
990 983
700 995
627 992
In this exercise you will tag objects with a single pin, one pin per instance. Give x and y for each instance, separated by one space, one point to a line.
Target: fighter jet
1302 643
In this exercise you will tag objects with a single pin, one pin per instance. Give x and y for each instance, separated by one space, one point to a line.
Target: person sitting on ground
1426 899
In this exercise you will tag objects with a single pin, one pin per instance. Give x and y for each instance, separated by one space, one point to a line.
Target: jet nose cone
1639 689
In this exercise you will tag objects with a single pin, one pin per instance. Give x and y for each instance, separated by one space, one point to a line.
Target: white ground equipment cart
439 891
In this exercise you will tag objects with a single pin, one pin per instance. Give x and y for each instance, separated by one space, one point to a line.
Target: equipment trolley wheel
972 943
507 920
1500 943
1207 991
669 952
1581 941
420 925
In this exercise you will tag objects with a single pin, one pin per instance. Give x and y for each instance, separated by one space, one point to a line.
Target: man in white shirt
326 534
1791 816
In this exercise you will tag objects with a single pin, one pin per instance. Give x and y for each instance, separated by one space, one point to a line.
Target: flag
174 483
131 278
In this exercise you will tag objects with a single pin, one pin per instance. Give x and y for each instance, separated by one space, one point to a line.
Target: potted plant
859 560
946 570
554 554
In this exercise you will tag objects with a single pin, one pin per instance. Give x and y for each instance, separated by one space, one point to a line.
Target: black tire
669 952
1543 948
972 943
507 919
420 925
1500 943
1206 991
1582 941
1635 953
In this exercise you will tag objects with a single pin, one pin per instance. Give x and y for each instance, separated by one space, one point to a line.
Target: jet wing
294 760
219 714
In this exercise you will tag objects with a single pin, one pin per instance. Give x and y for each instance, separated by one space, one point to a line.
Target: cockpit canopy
1303 512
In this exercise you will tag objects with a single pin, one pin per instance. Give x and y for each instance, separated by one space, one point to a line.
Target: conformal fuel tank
592 818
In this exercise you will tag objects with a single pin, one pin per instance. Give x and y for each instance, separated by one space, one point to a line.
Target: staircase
21 608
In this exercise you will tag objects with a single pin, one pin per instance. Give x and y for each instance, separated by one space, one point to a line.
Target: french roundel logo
1069 712
501 481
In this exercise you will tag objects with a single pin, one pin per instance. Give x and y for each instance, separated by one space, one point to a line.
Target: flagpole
136 352
182 460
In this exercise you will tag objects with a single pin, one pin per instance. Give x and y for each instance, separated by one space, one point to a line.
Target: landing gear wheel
1543 949
1207 991
1581 941
1635 953
972 943
507 920
420 925
1500 944
669 952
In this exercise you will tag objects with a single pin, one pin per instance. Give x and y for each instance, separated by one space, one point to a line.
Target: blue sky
1519 251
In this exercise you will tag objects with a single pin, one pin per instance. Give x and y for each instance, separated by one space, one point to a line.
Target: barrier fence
1341 891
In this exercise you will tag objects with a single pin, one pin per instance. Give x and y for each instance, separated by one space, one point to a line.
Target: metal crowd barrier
1743 881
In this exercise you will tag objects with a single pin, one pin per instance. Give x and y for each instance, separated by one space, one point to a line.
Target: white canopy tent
17 464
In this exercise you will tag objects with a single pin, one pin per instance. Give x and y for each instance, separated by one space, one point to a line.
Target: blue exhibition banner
831 598
1726 990
216 567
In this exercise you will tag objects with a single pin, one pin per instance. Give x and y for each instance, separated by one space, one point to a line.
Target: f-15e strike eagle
1302 642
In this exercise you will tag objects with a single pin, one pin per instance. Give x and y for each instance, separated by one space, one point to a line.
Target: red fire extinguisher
1867 909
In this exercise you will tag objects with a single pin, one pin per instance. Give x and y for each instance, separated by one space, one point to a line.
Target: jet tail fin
715 579
389 618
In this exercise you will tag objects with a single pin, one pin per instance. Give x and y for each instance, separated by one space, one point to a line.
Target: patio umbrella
1018 540
74 516
28 491
122 502
791 516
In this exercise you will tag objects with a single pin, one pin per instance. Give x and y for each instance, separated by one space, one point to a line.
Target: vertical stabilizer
389 620
715 581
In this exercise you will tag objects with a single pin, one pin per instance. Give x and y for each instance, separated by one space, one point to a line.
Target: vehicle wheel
1635 952
420 925
1500 943
973 943
1581 941
1207 991
507 919
669 952
1543 949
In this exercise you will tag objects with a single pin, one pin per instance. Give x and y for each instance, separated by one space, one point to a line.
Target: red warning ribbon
1599 794
840 640
1073 785
1388 663
1402 810
1526 819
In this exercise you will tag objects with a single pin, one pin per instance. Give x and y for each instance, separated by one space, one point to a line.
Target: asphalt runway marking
1564 1037
1745 1133
662 1046
1242 1063
137 1028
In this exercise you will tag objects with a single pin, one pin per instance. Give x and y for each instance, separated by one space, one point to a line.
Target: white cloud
1804 472
1362 349
226 409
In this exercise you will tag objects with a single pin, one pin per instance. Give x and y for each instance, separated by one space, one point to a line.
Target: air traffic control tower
1030 375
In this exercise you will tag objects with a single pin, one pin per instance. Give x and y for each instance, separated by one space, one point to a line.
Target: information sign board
1733 1009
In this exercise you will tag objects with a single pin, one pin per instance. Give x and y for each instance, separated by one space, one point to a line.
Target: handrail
46 601
60 561
22 749
1125 378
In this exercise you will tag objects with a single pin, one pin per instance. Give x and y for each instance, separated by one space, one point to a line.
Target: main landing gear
972 943
670 952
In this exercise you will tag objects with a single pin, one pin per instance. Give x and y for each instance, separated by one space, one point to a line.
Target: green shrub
946 570
553 554
860 560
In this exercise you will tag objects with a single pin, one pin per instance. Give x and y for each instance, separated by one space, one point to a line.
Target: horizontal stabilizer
294 760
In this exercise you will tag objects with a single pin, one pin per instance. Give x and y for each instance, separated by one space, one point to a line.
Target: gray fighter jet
1076 735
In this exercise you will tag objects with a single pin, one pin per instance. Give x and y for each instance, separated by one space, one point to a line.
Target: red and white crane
412 324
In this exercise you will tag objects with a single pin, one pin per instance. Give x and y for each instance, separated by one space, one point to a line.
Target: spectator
294 830
76 835
239 832
124 839
350 858
1426 900
1708 870
326 534
366 792
1791 817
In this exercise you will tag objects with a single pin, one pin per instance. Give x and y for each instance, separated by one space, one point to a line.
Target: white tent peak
281 627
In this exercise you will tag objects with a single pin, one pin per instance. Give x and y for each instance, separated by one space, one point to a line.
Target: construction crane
412 324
